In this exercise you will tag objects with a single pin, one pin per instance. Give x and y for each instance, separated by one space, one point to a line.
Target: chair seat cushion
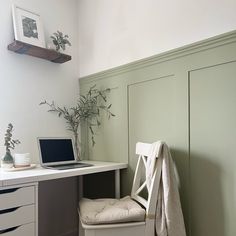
108 211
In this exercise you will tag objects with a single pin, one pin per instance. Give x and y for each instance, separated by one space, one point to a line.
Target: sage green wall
185 97
212 149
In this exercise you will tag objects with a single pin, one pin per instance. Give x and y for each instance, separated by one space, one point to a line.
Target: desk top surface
41 174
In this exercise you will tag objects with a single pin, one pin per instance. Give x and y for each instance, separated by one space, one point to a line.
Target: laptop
58 153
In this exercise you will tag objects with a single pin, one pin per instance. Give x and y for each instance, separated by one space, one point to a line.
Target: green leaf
91 130
93 142
42 103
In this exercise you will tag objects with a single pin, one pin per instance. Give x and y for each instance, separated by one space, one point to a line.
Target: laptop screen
56 150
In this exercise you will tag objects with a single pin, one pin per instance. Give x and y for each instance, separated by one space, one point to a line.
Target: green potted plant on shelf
87 111
60 40
7 160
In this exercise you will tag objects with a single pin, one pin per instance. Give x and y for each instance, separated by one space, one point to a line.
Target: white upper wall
26 81
112 33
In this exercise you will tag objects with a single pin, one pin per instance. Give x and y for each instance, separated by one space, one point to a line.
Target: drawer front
17 216
23 230
16 197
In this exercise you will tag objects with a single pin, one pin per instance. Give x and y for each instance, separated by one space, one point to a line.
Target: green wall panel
150 114
212 150
111 140
186 98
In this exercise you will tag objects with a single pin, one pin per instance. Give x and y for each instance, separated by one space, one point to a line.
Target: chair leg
90 233
81 230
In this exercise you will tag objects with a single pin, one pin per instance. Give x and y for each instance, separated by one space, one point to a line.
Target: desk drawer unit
18 211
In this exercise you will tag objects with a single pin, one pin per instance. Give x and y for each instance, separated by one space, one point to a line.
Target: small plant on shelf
60 40
7 160
87 111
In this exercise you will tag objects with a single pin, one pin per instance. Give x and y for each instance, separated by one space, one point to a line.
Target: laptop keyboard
69 166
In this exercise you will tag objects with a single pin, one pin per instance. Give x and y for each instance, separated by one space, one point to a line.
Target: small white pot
22 160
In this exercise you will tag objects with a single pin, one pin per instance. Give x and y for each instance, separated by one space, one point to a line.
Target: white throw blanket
169 216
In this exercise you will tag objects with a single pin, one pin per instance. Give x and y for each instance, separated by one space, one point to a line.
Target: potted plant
87 110
7 160
60 40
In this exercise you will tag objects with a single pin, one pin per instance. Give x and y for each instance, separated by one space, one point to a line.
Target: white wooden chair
146 227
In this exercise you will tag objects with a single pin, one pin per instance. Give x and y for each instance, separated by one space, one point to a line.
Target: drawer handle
8 210
11 190
3 231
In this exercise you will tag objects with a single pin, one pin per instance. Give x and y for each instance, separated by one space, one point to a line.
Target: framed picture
27 27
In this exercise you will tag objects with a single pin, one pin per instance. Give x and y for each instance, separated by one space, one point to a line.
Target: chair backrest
139 182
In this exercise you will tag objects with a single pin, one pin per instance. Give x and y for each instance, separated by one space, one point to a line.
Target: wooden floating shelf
35 51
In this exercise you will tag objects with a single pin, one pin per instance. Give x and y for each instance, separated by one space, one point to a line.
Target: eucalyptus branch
70 116
9 142
87 109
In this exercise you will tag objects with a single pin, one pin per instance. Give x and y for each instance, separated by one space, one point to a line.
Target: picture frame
27 26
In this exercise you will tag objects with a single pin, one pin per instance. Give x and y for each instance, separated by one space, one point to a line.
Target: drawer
23 230
17 216
15 197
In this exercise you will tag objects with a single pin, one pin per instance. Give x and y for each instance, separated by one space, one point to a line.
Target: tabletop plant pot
7 160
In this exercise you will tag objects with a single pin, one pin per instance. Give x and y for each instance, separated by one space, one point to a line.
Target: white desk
19 191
